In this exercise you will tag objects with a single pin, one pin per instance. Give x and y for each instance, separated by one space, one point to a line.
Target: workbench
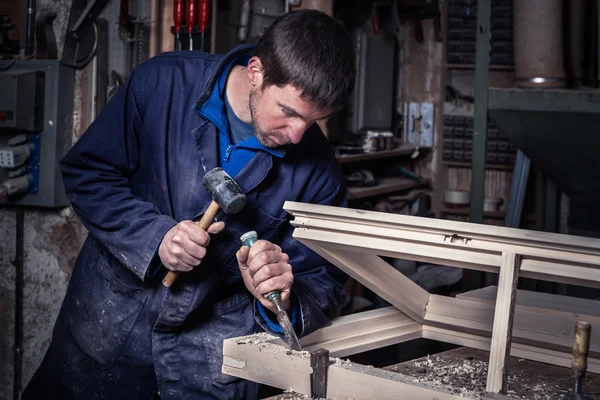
464 370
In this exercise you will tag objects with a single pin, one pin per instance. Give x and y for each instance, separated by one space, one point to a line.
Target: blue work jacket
134 174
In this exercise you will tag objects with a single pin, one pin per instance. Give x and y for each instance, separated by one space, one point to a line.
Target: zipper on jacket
228 152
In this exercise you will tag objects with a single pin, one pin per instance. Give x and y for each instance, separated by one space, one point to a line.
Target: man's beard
263 137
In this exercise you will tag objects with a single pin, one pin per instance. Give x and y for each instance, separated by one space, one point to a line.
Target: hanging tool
47 48
202 20
81 38
248 239
581 347
190 18
226 195
177 19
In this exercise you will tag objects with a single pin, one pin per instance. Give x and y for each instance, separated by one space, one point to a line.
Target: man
135 180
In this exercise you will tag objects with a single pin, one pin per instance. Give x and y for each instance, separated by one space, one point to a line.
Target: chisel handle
581 347
204 223
248 239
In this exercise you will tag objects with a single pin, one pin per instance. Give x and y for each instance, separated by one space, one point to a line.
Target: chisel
274 297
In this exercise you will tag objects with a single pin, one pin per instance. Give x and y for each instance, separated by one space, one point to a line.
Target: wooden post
503 323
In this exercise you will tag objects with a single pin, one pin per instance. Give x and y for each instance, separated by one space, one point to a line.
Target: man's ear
255 72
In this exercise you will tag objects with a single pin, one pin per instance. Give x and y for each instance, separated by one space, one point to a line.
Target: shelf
386 185
459 164
404 150
472 67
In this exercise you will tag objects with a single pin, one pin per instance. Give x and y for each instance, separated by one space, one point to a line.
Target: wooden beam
276 366
379 276
554 257
357 333
489 234
542 302
542 329
549 356
503 324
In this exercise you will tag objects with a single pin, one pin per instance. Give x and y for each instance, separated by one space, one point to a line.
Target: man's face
280 117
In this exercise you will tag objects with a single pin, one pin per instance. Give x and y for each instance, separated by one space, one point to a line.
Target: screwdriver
190 17
202 20
177 17
248 239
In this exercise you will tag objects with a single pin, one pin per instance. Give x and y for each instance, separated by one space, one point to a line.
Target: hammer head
224 191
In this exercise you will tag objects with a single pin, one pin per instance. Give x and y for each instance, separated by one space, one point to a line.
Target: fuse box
36 116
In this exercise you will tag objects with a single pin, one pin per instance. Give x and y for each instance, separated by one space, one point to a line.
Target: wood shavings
254 339
467 378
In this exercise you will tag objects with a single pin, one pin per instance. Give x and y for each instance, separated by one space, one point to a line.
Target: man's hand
184 246
265 268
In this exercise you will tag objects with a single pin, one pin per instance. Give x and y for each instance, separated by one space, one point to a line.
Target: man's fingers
257 261
263 245
242 257
269 271
216 227
281 283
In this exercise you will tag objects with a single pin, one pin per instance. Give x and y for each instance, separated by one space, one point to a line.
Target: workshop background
405 139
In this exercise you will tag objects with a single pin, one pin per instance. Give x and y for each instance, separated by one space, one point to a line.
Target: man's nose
296 131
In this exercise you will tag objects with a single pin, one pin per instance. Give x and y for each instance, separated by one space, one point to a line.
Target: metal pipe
30 28
19 267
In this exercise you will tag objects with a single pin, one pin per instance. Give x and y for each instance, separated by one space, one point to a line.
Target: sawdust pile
254 339
467 377
290 394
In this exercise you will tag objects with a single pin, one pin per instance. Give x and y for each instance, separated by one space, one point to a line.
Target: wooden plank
549 356
404 249
561 305
530 326
503 235
377 275
384 186
275 366
419 239
503 323
357 333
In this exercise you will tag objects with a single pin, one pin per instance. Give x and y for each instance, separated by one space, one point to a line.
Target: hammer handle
204 223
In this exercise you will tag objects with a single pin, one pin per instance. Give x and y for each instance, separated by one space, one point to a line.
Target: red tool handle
190 15
202 14
177 15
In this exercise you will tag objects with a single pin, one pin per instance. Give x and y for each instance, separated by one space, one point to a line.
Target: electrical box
22 100
36 124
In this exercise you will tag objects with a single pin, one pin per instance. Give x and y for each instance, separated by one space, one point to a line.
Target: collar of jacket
211 104
206 138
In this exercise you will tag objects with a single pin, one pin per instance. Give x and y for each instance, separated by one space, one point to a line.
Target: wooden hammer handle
204 223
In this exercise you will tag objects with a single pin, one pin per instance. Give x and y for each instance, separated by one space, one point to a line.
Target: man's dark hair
312 52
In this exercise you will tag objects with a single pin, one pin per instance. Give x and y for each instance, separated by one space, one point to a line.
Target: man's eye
287 112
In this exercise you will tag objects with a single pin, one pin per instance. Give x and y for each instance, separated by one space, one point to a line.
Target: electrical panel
36 114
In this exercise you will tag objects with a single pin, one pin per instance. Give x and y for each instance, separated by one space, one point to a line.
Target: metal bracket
418 124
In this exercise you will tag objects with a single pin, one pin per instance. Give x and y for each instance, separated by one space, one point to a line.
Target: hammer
226 195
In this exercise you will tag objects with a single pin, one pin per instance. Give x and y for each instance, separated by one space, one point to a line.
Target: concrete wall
52 242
